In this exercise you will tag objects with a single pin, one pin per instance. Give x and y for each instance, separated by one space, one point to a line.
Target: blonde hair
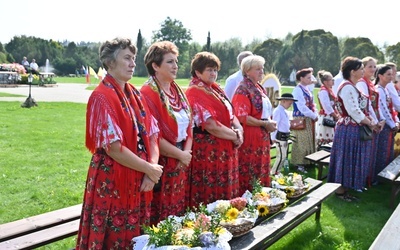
251 61
324 75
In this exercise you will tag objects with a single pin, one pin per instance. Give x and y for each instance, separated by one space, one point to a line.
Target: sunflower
262 210
281 181
232 213
289 191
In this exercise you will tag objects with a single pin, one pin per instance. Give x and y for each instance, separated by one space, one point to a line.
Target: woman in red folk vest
216 136
168 104
123 170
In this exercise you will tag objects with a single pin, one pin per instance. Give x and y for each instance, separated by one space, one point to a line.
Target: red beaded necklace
174 98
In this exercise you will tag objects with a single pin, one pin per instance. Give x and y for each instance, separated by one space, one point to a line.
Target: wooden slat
391 171
42 237
269 231
317 156
314 184
38 222
326 161
388 238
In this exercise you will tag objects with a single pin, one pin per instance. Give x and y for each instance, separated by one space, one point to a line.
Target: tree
208 46
361 47
140 69
317 49
270 50
285 62
227 53
173 31
393 53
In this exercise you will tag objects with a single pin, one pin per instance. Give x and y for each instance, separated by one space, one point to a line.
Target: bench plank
317 156
38 222
321 158
272 229
391 171
391 174
42 237
388 238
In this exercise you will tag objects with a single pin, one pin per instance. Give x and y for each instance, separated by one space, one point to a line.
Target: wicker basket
275 208
297 192
239 229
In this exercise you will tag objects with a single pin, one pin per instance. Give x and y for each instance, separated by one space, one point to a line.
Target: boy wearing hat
281 136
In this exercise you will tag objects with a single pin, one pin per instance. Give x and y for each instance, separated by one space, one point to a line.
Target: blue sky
96 21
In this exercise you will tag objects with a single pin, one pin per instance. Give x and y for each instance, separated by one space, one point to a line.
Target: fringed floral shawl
247 100
159 106
208 98
128 112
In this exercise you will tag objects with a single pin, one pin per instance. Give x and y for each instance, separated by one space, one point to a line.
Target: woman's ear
155 66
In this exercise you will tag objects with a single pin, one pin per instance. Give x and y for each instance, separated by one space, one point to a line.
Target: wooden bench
40 229
391 174
320 158
388 238
272 229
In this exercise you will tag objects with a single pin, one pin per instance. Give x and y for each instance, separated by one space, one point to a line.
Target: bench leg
395 192
320 169
318 212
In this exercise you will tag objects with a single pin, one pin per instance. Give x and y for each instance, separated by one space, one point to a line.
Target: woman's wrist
264 123
237 133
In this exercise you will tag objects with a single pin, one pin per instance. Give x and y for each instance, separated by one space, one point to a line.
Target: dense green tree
194 48
3 54
173 31
227 53
70 50
361 47
140 69
393 54
285 62
66 65
252 45
208 45
270 50
317 49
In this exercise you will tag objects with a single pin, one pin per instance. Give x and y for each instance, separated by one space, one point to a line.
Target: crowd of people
364 104
160 150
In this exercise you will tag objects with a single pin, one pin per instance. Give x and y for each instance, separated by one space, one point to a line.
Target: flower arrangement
267 200
13 67
195 229
238 216
293 184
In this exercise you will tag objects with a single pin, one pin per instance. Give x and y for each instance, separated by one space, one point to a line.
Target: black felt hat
287 96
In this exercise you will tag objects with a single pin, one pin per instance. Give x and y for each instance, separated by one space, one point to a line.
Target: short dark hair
303 73
202 60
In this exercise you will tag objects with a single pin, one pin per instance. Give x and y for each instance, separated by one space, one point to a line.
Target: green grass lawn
43 165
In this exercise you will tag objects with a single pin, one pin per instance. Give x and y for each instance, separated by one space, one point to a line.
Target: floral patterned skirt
110 220
214 170
350 157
